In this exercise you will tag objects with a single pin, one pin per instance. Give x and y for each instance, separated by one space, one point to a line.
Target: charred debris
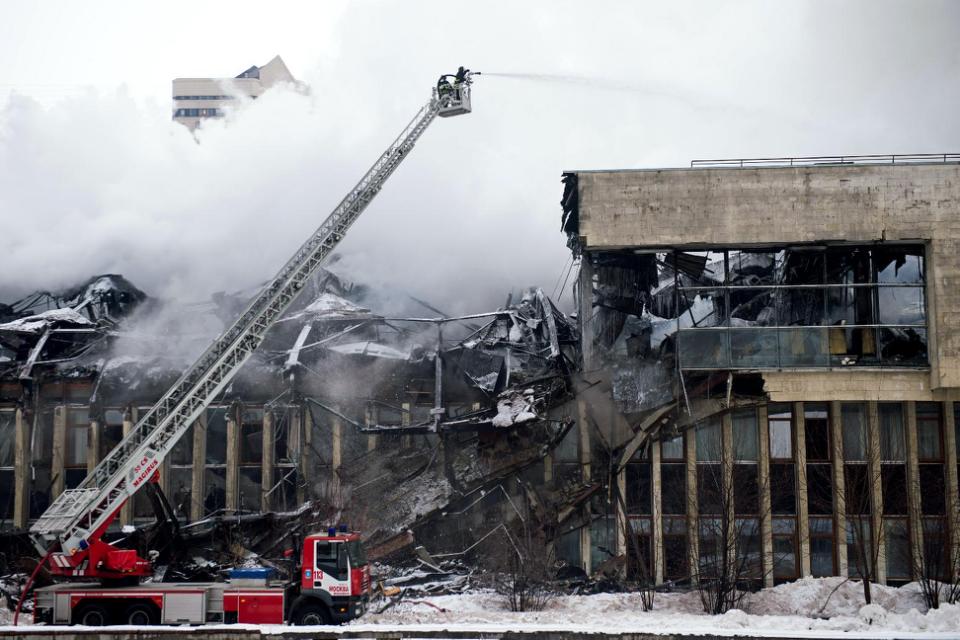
428 433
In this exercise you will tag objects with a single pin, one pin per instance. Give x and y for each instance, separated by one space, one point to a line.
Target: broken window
75 461
674 491
567 548
41 452
180 484
214 486
638 488
283 494
215 469
603 541
111 431
216 436
802 307
250 490
251 436
8 425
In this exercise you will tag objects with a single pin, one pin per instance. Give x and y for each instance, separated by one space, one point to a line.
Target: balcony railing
806 161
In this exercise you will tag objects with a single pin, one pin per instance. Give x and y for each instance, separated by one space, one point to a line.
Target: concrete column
803 504
693 528
876 492
336 451
93 445
763 478
59 451
232 490
21 471
585 312
726 458
406 440
268 462
164 478
199 466
953 493
369 420
913 487
656 504
583 430
129 420
839 488
299 446
623 525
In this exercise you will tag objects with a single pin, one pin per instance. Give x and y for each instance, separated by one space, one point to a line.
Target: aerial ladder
70 531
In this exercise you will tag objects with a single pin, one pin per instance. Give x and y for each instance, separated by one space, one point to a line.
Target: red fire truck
333 586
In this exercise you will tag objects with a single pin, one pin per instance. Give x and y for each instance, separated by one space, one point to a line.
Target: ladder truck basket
455 103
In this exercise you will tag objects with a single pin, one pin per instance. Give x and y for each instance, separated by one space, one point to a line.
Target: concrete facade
733 207
196 99
827 443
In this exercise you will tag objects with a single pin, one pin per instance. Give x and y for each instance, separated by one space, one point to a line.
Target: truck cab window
326 559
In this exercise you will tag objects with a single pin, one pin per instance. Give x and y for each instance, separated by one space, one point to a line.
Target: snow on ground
801 606
795 610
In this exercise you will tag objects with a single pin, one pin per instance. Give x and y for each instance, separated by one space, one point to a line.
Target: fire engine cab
333 586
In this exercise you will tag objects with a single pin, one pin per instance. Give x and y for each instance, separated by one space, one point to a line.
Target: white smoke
106 184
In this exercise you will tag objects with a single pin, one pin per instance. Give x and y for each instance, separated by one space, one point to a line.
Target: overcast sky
94 177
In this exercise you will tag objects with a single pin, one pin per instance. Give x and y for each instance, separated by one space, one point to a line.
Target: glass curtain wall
860 305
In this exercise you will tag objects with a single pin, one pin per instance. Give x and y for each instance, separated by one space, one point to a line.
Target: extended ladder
78 517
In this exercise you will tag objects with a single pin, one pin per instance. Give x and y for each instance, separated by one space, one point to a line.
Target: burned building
417 429
780 343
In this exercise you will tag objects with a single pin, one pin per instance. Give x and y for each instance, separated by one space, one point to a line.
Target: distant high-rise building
196 99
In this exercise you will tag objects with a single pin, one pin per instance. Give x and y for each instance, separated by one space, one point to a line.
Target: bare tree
858 503
730 555
522 567
644 579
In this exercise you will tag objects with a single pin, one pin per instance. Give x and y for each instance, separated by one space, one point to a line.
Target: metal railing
806 161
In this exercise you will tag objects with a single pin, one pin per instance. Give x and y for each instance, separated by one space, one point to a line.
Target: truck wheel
140 615
91 615
311 614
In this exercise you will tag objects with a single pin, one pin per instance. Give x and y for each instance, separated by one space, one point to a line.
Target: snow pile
787 609
830 597
371 349
328 305
514 408
40 321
